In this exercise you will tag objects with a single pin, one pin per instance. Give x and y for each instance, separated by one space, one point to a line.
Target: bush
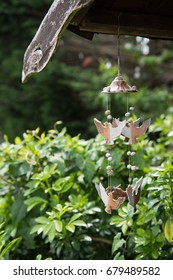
49 207
48 199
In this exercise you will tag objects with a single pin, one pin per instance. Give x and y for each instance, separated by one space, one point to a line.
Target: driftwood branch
48 35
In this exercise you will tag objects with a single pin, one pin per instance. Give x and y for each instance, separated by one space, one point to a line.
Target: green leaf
18 210
168 230
145 217
42 220
118 256
119 221
89 169
70 227
66 187
124 228
79 223
34 201
155 254
117 243
18 169
47 227
37 228
79 160
117 155
63 184
51 232
38 257
58 225
17 140
11 246
75 217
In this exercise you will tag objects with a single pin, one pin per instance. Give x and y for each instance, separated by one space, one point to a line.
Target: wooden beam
146 25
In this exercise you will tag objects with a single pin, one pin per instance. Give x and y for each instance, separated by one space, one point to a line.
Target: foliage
66 90
49 207
150 230
48 199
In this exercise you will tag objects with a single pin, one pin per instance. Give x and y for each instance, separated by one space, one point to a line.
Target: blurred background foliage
70 223
68 89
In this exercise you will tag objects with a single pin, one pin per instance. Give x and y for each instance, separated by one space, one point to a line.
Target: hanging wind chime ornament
130 131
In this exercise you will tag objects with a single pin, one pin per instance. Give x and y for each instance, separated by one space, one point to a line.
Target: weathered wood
146 18
48 35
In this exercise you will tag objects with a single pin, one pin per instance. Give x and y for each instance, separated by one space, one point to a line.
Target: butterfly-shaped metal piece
108 199
134 193
48 35
110 130
132 131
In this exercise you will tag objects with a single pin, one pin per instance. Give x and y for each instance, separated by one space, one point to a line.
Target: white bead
107 112
133 153
109 117
109 158
131 108
129 153
108 167
134 168
137 168
127 114
108 155
129 166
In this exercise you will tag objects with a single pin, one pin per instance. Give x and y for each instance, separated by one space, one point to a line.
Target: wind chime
113 197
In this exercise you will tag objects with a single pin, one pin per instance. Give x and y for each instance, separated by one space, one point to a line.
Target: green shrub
48 198
49 207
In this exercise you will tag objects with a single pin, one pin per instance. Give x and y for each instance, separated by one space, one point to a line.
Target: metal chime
112 129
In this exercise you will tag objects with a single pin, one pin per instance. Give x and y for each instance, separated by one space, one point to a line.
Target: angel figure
108 198
110 130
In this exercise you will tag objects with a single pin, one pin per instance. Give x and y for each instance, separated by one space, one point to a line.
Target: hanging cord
110 175
118 54
129 169
109 97
110 148
127 102
118 44
108 102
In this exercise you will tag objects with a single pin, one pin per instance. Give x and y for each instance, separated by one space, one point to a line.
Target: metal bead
108 154
127 114
109 117
107 112
109 158
129 166
134 168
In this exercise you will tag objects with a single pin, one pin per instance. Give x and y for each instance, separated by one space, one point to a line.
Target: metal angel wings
113 199
130 130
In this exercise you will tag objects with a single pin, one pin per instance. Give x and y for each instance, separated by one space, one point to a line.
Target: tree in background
69 88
